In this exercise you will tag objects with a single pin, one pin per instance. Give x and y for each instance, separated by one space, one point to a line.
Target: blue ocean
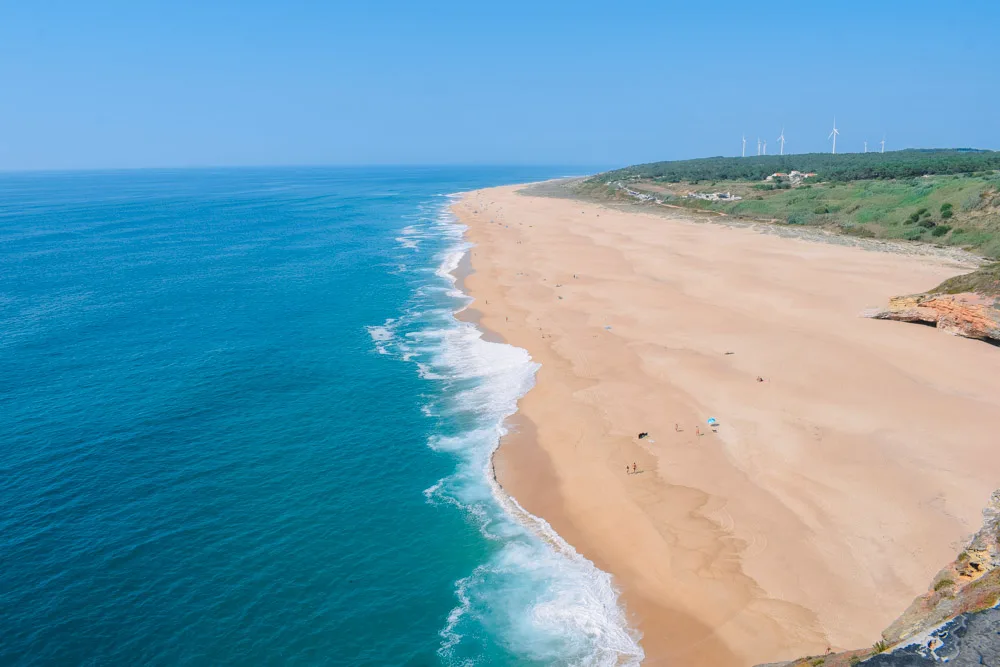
241 425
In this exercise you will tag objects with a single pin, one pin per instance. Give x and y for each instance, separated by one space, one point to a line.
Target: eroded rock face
971 582
967 314
967 640
956 621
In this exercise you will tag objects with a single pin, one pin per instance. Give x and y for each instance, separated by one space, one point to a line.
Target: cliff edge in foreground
955 622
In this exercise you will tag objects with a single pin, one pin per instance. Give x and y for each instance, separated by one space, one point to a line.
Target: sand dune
832 491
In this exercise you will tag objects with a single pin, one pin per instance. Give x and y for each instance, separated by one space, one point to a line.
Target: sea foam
534 596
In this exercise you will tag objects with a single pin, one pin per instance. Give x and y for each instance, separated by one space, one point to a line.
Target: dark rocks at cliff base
969 639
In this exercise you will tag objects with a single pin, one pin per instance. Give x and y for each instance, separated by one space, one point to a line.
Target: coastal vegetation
949 198
985 280
827 166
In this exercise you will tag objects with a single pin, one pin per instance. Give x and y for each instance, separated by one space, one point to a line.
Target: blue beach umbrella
712 421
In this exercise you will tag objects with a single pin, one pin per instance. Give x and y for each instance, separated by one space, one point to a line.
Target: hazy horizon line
431 165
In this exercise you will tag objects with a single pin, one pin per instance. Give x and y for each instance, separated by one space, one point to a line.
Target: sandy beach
831 492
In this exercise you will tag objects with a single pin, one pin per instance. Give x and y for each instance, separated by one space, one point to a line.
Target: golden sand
832 491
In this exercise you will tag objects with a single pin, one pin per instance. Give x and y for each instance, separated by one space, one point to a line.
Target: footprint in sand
756 546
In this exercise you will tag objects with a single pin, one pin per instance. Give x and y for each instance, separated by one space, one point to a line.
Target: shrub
879 646
945 206
944 583
854 660
914 217
940 230
820 210
973 200
946 213
796 219
927 223
912 234
817 662
921 211
857 230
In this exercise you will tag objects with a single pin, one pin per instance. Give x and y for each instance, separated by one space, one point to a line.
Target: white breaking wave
536 598
411 236
381 334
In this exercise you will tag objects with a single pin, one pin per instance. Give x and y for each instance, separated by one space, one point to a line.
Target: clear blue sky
103 84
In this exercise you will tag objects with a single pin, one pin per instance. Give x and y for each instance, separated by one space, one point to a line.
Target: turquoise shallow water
240 425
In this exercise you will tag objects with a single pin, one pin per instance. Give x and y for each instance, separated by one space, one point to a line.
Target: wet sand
832 491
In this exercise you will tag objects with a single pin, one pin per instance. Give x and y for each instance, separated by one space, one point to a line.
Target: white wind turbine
758 145
866 145
782 140
744 145
834 136
883 143
765 147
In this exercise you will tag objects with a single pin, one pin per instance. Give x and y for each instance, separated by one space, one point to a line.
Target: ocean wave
382 334
410 236
534 597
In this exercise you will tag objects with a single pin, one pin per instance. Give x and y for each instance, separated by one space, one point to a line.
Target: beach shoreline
594 610
694 567
521 468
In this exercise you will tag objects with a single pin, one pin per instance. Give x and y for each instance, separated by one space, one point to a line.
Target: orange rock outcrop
967 314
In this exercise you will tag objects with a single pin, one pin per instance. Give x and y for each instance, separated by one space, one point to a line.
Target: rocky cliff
971 582
967 314
966 305
966 640
956 621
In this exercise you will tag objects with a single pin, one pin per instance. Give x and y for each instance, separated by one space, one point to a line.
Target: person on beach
677 428
697 430
627 471
633 467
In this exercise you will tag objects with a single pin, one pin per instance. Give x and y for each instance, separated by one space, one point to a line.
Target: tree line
843 167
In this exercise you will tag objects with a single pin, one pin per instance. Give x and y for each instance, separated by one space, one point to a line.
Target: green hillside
949 197
843 167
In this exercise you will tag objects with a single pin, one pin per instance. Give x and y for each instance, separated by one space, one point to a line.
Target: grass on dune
956 210
985 280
